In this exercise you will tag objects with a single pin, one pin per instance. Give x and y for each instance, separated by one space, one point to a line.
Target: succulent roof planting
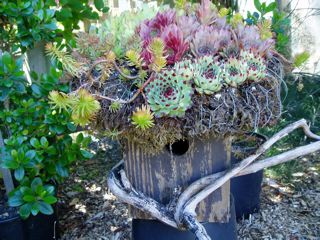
194 71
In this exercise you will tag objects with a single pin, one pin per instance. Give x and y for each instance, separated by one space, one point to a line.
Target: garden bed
90 211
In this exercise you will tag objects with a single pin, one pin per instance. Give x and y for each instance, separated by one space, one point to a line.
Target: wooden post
37 59
159 176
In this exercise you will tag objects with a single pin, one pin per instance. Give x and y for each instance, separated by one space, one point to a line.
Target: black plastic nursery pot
11 228
246 189
41 227
179 165
154 230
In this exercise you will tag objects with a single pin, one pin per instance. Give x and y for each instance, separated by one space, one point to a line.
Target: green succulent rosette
207 76
256 67
169 94
235 72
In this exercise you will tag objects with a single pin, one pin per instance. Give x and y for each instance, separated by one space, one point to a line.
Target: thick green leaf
35 183
86 154
272 6
50 199
62 171
15 201
25 210
19 173
35 142
31 154
44 142
99 4
45 208
29 198
35 208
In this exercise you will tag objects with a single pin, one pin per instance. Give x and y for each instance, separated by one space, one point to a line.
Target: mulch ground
89 211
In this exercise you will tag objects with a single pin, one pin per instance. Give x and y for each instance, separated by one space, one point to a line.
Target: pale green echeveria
207 76
256 66
235 72
169 94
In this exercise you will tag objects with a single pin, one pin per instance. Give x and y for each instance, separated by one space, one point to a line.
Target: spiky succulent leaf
207 76
223 12
114 107
188 26
142 117
236 20
169 94
249 39
209 40
265 29
175 44
60 100
84 107
68 62
206 12
134 58
235 72
157 49
256 66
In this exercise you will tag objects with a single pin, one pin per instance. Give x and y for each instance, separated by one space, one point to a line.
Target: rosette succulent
175 44
235 72
249 39
209 40
256 67
188 26
142 117
207 76
169 94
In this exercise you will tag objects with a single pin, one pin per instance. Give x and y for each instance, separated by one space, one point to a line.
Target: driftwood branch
184 216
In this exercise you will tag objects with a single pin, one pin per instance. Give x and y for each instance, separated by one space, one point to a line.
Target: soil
89 211
6 212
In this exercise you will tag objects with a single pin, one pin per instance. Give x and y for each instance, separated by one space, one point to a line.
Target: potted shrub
175 93
38 148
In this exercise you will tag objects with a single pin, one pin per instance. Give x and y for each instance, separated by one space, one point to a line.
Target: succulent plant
207 76
175 44
142 117
236 20
114 107
249 39
84 107
68 62
188 26
157 49
169 94
60 100
235 72
256 67
134 58
206 12
154 27
265 29
209 40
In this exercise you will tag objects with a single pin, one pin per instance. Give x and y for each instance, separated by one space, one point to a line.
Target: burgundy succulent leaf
176 46
163 19
145 54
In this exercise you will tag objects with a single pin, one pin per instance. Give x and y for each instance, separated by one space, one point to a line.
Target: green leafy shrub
38 144
25 22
